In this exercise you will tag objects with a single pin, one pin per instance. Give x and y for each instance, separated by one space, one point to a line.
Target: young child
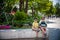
35 27
43 26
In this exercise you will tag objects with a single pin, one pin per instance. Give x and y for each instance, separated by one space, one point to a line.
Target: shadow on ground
27 39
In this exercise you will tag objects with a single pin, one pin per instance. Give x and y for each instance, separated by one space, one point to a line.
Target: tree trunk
21 4
26 8
33 12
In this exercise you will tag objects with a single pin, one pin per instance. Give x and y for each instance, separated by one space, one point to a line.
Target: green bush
2 18
20 15
19 19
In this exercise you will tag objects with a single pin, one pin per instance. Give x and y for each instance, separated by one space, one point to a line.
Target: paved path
55 24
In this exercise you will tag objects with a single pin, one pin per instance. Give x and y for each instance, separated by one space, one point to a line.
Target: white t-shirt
42 21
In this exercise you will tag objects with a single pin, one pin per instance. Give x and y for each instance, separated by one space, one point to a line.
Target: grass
23 27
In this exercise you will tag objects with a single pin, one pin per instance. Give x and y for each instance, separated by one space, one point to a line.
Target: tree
1 6
43 6
26 8
57 9
1 11
8 5
37 5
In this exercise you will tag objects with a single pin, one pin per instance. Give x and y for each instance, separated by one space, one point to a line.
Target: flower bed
5 26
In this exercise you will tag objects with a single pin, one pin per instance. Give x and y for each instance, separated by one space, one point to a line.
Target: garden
14 13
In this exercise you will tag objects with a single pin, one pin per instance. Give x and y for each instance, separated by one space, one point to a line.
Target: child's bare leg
36 34
43 32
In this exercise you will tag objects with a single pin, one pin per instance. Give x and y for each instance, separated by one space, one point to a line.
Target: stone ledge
18 33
